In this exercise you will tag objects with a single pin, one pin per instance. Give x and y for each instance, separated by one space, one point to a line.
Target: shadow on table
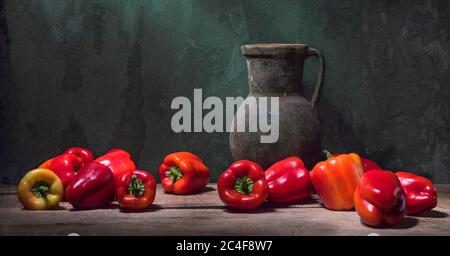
407 223
313 203
152 208
263 209
208 189
433 214
157 206
205 190
256 211
57 208
112 206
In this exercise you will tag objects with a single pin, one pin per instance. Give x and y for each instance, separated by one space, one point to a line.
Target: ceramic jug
276 70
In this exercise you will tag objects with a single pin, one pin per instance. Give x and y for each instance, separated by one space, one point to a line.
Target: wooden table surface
205 214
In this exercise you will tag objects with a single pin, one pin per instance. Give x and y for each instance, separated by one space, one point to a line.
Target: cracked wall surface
102 74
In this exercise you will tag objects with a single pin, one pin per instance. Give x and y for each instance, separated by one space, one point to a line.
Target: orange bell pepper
183 173
335 180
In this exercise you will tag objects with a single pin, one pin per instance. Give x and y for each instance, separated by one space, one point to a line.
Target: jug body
276 70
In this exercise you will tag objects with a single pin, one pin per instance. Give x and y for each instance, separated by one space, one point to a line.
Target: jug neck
275 69
275 76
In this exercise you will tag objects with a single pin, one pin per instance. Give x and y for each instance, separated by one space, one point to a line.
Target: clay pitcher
276 70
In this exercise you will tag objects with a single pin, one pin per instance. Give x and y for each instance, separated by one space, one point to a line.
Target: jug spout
275 69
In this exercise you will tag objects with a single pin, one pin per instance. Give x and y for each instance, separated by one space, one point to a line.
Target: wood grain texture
205 214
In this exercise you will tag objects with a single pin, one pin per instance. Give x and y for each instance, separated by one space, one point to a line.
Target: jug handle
316 53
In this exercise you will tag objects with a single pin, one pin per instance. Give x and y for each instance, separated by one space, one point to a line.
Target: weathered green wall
103 73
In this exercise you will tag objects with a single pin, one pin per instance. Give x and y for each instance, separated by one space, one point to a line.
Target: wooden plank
204 214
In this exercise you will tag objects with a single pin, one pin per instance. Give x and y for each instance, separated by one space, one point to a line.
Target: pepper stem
244 185
40 189
327 153
174 173
136 186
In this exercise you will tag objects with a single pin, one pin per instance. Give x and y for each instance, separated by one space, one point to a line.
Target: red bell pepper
380 198
335 180
119 161
125 153
136 190
367 164
420 192
183 173
84 154
243 186
288 181
65 166
93 187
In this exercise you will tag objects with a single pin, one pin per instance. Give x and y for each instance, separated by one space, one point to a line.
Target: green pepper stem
136 186
174 173
244 185
41 189
327 153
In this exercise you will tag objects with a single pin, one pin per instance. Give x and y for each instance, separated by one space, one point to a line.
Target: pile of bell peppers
380 197
342 182
91 183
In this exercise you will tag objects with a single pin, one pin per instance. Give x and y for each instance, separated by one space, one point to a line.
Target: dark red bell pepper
93 187
84 154
243 186
65 166
183 173
136 190
288 181
420 192
379 198
119 161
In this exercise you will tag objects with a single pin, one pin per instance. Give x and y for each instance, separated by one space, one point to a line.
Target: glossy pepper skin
40 189
367 164
183 173
65 166
136 190
288 181
420 192
243 186
380 198
92 188
83 154
335 180
119 161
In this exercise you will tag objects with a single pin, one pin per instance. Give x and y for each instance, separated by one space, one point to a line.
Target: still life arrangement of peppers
342 182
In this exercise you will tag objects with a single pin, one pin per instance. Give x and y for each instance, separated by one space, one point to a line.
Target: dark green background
102 74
